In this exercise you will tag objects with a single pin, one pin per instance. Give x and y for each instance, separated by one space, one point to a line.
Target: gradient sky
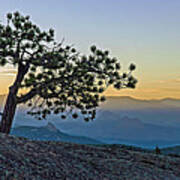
146 33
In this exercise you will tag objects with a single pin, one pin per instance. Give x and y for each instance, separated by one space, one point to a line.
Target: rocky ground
21 159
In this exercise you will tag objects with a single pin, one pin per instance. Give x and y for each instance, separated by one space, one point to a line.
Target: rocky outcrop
24 159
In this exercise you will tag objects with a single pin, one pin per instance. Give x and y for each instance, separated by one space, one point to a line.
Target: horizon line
135 98
145 99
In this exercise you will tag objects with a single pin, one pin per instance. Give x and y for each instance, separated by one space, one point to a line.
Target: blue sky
140 31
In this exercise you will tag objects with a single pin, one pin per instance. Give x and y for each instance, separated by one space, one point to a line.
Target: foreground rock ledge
30 160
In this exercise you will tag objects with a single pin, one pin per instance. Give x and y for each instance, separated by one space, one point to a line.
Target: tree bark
11 102
9 112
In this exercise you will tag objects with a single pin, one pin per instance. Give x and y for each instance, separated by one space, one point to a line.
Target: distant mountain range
137 135
119 129
119 120
126 102
50 133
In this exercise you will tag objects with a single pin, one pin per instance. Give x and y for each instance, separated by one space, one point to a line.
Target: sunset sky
143 32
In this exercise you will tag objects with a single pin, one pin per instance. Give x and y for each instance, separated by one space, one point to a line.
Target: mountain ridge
127 102
50 132
133 98
128 97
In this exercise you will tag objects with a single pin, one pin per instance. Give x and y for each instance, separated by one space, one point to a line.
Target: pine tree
57 78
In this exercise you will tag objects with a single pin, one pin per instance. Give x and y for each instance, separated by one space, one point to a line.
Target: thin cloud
177 80
170 89
8 72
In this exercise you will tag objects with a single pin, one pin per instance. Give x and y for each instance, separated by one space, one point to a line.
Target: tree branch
27 96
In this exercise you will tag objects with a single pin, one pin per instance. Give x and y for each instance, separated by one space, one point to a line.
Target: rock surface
23 159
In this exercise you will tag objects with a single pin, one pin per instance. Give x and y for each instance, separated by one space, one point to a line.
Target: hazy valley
121 120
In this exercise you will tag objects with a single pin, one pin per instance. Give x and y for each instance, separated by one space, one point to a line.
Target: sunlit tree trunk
9 111
11 101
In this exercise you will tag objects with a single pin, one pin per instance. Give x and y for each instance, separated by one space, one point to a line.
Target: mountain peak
50 126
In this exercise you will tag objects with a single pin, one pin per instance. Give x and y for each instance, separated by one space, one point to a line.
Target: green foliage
59 79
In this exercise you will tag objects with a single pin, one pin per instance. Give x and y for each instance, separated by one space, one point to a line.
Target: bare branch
27 96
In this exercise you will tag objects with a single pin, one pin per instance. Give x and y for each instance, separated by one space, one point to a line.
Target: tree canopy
58 78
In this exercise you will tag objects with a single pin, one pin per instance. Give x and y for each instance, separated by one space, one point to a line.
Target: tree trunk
11 102
9 112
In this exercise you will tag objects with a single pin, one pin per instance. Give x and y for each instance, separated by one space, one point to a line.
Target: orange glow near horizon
142 32
150 90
